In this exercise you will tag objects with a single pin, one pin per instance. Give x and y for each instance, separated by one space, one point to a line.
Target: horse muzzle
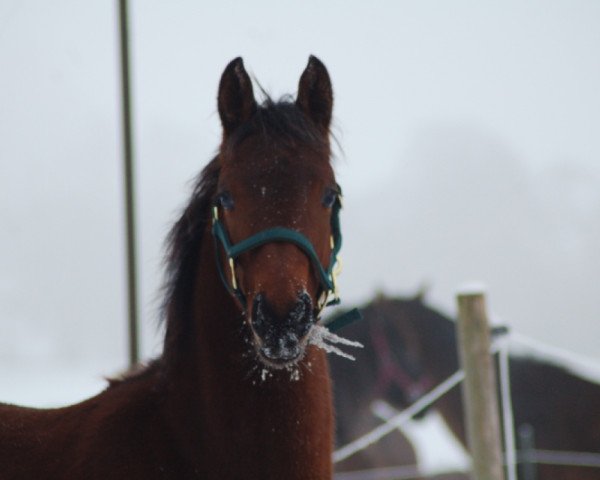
280 340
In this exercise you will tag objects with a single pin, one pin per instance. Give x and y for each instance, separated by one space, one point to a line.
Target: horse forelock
281 123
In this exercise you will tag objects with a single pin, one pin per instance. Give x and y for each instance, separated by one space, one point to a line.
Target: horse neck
217 387
439 350
438 347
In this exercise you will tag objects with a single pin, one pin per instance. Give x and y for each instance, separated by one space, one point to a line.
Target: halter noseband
327 276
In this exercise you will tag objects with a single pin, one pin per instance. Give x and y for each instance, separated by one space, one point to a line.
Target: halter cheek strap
327 276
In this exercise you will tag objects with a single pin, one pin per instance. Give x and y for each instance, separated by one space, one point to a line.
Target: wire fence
404 416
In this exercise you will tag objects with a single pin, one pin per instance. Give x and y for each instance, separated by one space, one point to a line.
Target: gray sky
470 138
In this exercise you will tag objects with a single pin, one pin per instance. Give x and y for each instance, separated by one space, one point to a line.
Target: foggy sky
470 151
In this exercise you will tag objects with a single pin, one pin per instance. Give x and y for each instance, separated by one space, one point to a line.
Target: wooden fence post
479 388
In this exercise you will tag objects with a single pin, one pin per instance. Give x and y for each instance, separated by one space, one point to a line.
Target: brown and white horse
558 406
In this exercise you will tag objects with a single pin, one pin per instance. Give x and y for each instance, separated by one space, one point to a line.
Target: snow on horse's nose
280 336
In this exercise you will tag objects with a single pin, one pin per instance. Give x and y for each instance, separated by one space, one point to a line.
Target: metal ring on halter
233 279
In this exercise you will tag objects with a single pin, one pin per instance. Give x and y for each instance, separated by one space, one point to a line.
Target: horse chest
272 428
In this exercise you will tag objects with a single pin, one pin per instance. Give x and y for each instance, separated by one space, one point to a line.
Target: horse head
275 209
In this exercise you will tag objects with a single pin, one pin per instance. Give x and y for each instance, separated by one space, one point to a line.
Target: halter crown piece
327 276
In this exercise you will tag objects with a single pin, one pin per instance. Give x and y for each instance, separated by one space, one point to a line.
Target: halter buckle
233 279
336 272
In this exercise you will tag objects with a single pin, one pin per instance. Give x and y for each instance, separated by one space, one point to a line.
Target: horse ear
236 98
422 292
315 95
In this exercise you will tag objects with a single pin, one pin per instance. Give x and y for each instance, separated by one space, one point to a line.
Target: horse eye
225 200
329 198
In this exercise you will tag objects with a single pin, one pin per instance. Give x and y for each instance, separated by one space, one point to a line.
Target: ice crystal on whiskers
321 337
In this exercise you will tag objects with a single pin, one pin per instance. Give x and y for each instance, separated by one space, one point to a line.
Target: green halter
327 276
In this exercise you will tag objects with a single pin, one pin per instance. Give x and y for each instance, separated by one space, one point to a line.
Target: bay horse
239 390
561 408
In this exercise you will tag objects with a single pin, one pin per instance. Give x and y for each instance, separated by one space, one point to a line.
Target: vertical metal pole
510 450
479 388
129 185
527 449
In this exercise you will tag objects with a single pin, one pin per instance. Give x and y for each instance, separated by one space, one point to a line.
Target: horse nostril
301 317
